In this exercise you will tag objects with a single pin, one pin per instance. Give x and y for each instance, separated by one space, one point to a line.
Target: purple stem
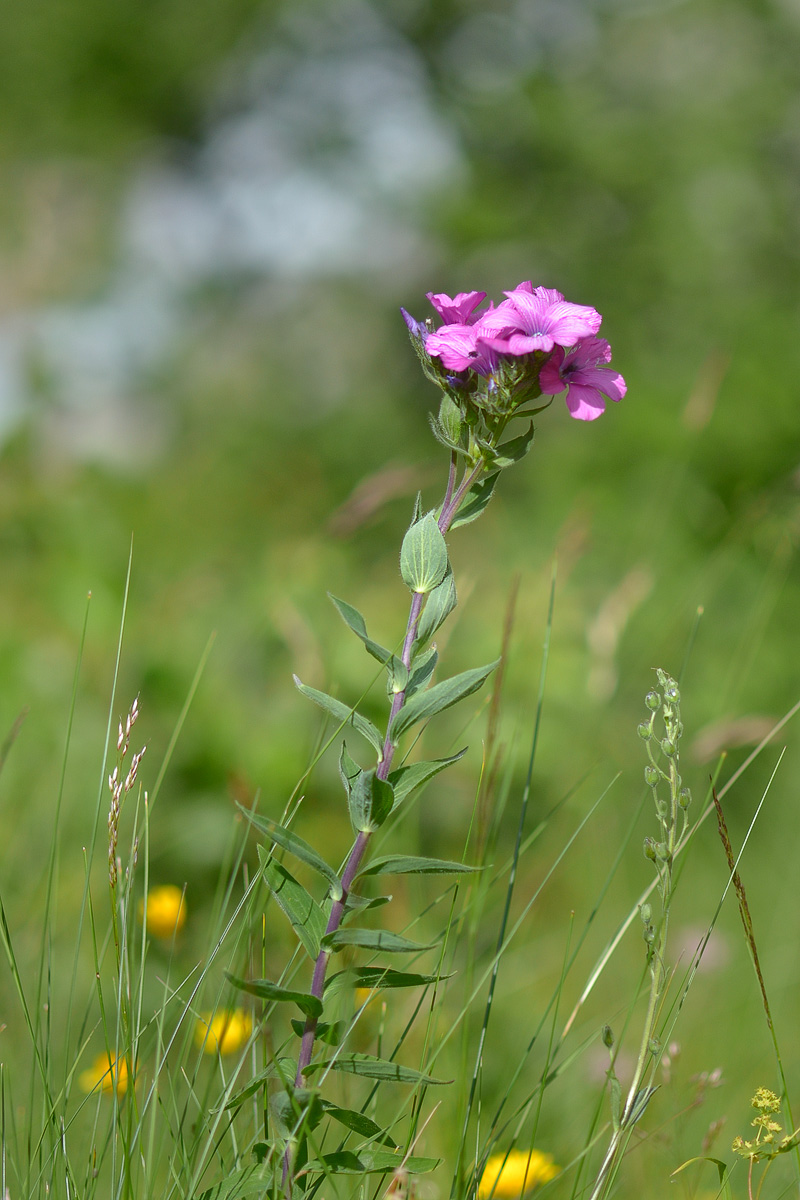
450 506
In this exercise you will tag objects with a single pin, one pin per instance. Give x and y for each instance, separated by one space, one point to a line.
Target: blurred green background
210 213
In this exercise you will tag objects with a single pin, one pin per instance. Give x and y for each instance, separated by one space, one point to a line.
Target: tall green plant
491 366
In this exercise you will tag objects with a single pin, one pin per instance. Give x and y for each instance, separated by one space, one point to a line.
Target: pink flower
462 348
459 310
537 319
580 373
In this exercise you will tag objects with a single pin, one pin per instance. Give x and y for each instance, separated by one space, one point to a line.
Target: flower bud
654 1045
668 746
646 913
649 848
671 692
644 731
685 798
651 775
608 1037
653 701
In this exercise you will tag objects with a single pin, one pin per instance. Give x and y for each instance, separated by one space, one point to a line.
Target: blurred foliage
646 161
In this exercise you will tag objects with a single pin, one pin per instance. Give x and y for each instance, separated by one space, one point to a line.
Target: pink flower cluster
530 321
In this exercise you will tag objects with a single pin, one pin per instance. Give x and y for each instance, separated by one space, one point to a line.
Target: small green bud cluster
663 751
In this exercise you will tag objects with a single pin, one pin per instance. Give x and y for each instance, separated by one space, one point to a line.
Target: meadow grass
121 1084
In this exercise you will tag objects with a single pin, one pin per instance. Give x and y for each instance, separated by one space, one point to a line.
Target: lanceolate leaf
306 916
372 1162
241 1184
438 606
371 939
358 1122
354 620
405 779
344 715
348 768
511 452
402 864
376 1068
296 846
475 500
422 668
423 556
440 696
266 990
378 978
370 802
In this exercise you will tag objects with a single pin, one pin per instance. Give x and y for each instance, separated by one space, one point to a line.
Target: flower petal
585 403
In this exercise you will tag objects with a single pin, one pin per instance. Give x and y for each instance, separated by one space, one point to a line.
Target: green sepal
405 779
375 1068
475 501
266 990
422 668
304 913
371 1162
344 715
378 978
296 846
331 1034
353 619
372 939
438 606
405 864
370 802
440 696
423 555
358 1122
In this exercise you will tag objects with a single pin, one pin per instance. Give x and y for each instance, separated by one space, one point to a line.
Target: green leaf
370 802
405 779
296 846
266 990
296 1110
438 606
358 1122
423 555
421 670
282 1068
357 903
344 715
475 501
376 1068
371 939
332 1034
364 1162
354 620
241 1184
378 978
511 452
403 864
723 1172
440 696
349 769
306 916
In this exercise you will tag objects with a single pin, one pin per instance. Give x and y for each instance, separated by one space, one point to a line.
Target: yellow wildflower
166 910
506 1175
105 1074
223 1032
